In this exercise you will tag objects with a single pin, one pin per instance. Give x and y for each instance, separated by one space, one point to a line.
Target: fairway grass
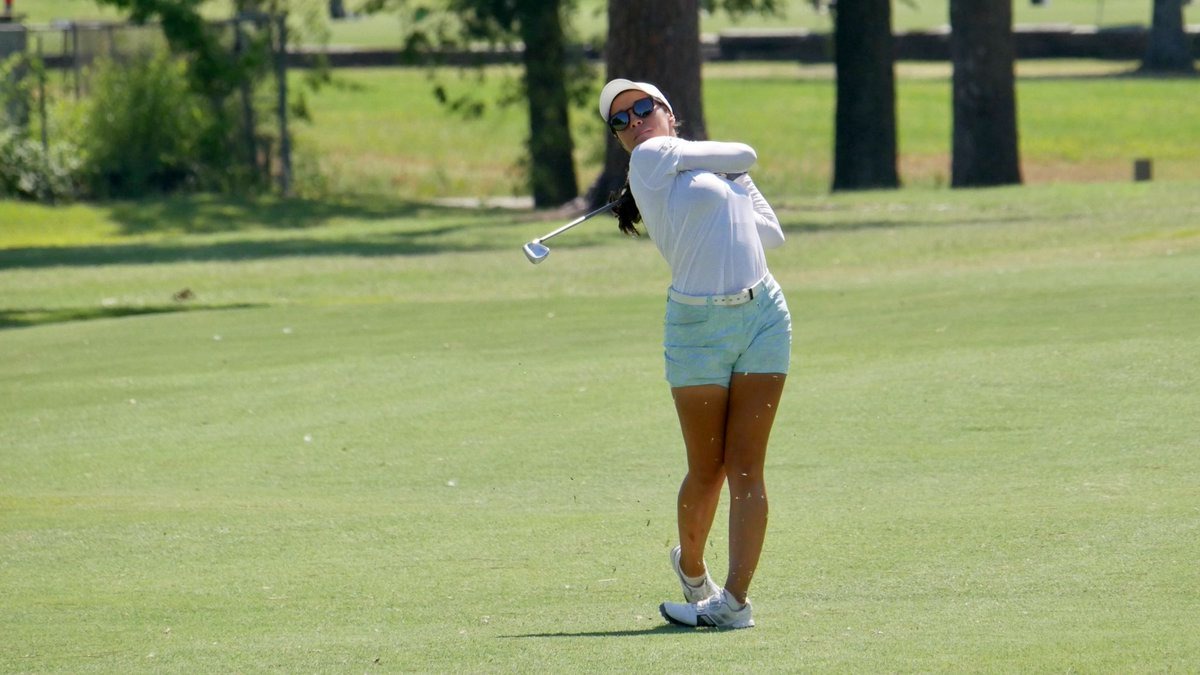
375 439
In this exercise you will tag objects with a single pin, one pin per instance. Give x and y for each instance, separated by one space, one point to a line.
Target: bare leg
702 414
753 401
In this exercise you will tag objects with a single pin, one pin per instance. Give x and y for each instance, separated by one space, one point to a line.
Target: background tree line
220 145
660 42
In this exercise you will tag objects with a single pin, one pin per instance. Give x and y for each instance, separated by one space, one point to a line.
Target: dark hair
626 210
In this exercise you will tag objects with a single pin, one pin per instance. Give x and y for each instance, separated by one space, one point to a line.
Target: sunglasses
641 107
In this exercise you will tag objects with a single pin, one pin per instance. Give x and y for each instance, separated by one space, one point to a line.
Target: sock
733 602
695 582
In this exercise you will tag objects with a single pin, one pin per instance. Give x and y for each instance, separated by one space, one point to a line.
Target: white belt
724 300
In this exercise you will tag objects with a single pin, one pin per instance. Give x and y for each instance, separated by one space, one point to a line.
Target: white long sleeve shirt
711 230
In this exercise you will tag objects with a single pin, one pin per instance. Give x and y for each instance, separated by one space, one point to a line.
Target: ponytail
626 210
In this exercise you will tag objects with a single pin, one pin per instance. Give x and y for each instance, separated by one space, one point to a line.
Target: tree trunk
1168 50
985 102
551 151
865 137
656 42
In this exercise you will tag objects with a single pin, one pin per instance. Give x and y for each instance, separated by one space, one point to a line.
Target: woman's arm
767 223
716 156
657 159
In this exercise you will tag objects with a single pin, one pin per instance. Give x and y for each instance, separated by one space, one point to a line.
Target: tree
547 82
551 150
653 41
659 42
656 42
218 73
982 50
215 71
865 134
1168 50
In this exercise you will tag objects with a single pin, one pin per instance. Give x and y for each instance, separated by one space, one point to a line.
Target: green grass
371 436
378 439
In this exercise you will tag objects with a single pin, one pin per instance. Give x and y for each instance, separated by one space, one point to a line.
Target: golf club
537 251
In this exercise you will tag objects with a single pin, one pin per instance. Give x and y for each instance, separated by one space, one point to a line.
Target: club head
536 251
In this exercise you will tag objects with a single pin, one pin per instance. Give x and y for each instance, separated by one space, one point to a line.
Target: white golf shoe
693 593
716 611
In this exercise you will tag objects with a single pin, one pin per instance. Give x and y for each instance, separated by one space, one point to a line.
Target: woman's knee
743 472
706 476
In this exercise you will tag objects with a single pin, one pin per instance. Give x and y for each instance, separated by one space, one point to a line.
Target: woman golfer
727 334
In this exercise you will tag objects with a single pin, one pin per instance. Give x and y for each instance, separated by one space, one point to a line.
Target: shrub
29 171
141 128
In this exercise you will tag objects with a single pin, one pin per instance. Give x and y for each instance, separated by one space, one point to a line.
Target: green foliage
144 129
491 20
380 29
29 170
16 90
459 24
431 30
214 71
741 7
225 63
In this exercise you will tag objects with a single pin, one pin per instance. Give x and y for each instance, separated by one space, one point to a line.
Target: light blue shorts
707 343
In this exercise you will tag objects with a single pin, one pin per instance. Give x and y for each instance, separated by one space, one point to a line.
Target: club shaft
607 207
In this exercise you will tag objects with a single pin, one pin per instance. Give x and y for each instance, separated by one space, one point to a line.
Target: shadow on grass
214 214
26 318
455 229
146 254
205 228
817 227
458 237
662 629
1133 73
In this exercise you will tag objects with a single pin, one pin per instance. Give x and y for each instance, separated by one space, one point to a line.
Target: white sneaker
693 593
716 611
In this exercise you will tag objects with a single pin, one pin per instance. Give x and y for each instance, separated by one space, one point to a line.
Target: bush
29 171
142 127
16 90
148 125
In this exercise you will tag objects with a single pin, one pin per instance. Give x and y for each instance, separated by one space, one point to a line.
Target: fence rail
69 42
